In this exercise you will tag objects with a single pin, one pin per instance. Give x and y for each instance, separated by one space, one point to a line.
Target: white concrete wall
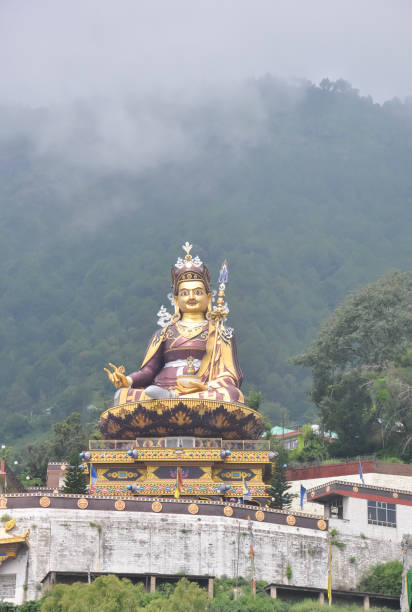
390 481
62 540
130 542
355 521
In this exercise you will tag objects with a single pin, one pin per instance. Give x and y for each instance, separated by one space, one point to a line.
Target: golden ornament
10 524
189 332
82 503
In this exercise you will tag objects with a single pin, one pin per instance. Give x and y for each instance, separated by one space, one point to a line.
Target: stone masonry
64 540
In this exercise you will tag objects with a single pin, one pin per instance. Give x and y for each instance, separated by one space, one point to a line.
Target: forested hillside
306 190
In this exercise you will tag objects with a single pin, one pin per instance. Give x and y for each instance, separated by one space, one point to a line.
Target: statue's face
192 297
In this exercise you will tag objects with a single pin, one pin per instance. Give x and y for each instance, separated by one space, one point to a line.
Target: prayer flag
405 599
179 482
361 472
252 555
302 495
93 475
406 593
245 490
330 572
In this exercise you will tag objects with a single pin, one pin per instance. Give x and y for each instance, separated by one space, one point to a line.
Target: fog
120 86
58 51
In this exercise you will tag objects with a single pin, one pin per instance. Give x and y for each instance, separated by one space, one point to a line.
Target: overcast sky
59 50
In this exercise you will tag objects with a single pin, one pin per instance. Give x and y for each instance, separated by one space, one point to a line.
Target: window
290 444
336 508
381 513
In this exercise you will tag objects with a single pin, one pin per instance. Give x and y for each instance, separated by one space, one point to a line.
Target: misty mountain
305 189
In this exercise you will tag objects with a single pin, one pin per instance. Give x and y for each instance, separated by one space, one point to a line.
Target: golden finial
187 248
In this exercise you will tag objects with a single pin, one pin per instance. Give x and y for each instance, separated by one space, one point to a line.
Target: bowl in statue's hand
189 381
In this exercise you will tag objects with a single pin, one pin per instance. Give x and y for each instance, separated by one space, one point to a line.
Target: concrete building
397 476
367 511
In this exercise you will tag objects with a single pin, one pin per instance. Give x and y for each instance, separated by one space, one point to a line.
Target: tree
69 437
372 327
187 597
105 594
75 479
315 448
279 485
391 394
111 594
385 578
254 399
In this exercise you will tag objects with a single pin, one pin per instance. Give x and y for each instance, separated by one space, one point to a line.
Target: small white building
364 510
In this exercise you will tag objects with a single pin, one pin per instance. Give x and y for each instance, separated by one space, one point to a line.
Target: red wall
330 471
346 469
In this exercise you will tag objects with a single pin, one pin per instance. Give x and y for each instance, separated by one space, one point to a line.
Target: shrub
385 578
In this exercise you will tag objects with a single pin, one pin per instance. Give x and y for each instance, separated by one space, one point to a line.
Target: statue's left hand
117 377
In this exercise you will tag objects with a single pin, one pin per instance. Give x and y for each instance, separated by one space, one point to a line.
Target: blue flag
302 495
245 490
93 475
361 472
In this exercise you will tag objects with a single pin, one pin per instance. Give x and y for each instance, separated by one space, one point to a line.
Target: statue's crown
189 268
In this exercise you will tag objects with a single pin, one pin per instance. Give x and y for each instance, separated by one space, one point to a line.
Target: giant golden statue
189 380
194 355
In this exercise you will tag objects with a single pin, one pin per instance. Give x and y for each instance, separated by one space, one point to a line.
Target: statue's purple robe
169 345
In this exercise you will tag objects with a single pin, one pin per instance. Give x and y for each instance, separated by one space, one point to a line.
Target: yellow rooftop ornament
11 543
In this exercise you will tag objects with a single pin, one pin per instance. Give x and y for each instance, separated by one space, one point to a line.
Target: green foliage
253 400
75 480
315 447
224 598
110 594
187 597
385 578
67 439
279 485
105 594
333 533
288 572
369 330
29 606
391 394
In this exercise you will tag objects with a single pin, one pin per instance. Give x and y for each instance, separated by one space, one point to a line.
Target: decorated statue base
203 468
181 416
204 443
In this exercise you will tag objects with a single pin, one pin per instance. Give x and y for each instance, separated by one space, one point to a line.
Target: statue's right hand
117 377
